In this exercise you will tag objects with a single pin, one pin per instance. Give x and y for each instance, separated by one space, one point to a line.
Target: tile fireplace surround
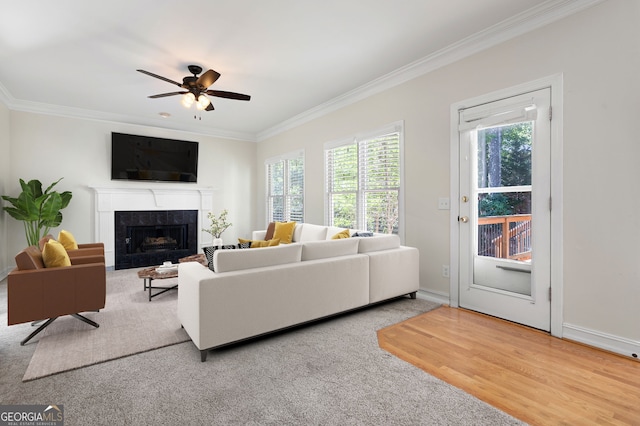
109 200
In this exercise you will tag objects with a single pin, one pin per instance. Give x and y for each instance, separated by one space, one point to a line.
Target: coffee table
150 274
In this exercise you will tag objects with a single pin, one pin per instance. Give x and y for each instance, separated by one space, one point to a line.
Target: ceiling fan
196 87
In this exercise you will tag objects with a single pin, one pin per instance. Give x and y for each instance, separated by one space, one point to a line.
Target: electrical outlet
445 271
443 204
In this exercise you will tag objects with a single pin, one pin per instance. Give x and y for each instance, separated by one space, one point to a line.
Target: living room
597 52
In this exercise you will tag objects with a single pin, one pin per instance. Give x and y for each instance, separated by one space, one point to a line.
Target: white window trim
396 126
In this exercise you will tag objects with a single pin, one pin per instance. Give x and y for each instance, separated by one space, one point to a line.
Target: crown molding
64 111
532 19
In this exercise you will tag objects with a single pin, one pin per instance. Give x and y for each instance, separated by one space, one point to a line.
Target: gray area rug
129 324
328 373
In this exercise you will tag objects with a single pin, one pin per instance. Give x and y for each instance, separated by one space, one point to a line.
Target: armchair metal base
50 320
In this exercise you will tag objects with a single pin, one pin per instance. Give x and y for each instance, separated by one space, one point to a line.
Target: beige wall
48 147
5 149
598 52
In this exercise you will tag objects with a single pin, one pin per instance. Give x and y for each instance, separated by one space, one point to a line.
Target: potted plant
218 226
40 211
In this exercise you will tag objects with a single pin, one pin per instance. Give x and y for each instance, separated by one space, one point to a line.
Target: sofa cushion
311 232
208 251
284 232
312 250
237 260
67 240
260 243
54 255
378 242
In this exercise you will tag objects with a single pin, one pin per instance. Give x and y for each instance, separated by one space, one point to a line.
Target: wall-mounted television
136 157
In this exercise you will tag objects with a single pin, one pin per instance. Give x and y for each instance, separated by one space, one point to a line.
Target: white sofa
258 291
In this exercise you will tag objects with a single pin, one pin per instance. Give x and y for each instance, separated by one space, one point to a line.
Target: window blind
363 183
285 188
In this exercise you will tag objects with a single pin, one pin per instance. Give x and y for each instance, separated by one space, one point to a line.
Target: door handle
463 219
511 268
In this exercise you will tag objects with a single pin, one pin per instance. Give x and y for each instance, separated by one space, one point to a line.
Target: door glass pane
504 155
504 225
503 211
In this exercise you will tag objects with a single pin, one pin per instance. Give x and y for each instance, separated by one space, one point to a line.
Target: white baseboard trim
433 296
608 342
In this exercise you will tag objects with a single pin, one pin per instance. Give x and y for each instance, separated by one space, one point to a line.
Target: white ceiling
294 57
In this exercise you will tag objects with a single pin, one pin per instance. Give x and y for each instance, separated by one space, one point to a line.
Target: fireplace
146 238
154 198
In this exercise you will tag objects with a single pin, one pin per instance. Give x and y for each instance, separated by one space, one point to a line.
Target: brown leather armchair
37 293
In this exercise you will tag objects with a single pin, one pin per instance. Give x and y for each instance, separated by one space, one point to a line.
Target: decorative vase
217 241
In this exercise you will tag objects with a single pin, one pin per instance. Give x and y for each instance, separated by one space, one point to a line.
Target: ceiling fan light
188 99
203 102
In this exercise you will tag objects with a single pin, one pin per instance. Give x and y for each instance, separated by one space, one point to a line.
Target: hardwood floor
534 377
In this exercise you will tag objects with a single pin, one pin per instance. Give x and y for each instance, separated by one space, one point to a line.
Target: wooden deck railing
492 241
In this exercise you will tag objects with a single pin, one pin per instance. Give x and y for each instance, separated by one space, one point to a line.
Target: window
285 188
364 181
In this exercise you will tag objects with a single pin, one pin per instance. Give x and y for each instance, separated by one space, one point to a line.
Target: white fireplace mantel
110 199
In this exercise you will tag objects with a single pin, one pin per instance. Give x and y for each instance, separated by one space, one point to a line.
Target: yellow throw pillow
342 234
54 255
284 231
261 243
67 240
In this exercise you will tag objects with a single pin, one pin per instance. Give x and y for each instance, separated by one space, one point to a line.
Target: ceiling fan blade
160 77
228 95
209 107
208 78
162 95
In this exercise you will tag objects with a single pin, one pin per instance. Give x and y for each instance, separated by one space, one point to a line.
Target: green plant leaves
39 210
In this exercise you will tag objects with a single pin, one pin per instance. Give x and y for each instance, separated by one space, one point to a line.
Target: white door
504 211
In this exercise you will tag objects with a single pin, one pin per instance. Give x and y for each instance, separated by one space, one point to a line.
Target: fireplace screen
146 238
150 239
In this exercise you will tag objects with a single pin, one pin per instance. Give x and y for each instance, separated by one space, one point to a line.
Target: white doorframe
555 82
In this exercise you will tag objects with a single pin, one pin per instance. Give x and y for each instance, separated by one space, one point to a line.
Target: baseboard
433 296
607 342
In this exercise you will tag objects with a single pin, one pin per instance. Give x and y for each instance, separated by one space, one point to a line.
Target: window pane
504 204
285 186
380 162
381 212
277 209
276 178
296 209
504 155
504 225
343 208
343 169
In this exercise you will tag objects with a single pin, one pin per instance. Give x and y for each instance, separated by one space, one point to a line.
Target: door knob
463 219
